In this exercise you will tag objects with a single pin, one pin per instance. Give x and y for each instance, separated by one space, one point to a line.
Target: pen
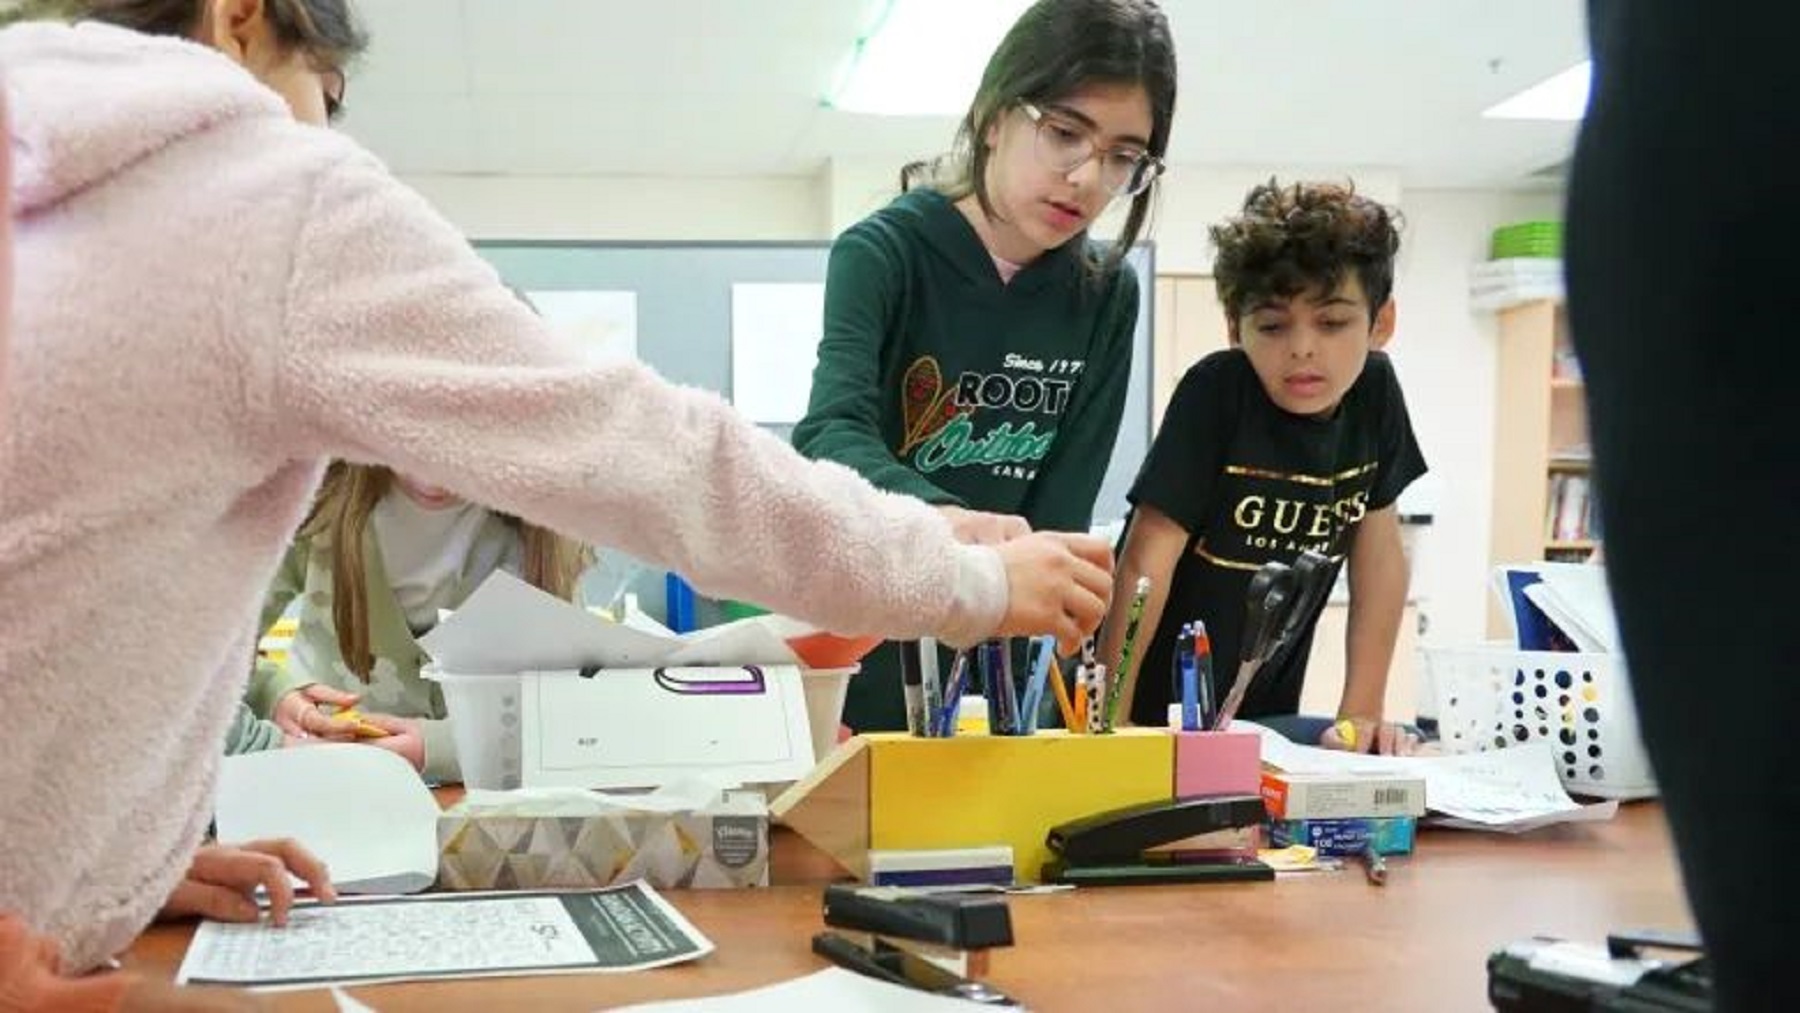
1203 673
1374 865
959 673
1186 677
1123 675
933 687
1034 690
1096 706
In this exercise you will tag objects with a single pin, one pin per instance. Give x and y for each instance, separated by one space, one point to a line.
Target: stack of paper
1507 790
1571 597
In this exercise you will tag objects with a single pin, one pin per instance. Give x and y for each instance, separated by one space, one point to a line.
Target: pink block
1218 763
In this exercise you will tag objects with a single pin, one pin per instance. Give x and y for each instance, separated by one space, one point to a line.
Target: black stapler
935 943
1114 848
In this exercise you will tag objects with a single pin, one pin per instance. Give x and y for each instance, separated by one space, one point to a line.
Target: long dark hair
1056 48
325 30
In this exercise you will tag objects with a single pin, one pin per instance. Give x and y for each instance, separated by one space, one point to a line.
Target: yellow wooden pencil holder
894 791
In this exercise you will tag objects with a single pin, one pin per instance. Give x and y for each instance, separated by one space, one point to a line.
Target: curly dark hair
1302 238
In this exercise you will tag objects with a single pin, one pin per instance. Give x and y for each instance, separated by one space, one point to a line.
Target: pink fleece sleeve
5 251
406 350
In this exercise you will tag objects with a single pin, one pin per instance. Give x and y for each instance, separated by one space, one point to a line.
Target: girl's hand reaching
1058 583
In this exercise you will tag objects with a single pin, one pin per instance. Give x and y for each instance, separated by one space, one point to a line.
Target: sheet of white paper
604 324
832 989
1572 625
449 935
1508 790
347 1004
751 721
363 811
1581 589
509 626
774 346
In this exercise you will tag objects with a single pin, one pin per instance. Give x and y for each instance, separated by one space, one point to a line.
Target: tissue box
536 842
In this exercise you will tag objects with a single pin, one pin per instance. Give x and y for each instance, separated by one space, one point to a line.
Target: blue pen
1034 692
1203 675
1184 669
946 719
933 688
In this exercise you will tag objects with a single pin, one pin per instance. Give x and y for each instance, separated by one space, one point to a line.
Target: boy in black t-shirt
1294 438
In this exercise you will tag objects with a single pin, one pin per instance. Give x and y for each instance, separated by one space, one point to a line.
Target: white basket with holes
1493 696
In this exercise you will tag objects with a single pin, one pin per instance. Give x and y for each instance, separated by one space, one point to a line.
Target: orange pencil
1062 696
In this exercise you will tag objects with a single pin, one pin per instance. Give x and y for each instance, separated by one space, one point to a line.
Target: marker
912 687
934 688
1346 730
996 685
1132 617
1082 681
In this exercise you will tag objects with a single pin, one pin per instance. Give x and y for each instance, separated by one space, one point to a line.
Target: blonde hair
340 514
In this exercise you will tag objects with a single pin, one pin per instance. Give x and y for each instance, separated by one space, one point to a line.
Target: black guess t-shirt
1252 483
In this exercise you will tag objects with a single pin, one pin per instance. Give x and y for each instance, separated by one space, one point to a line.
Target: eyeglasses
1065 145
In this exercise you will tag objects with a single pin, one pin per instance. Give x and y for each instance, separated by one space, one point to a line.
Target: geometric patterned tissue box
530 846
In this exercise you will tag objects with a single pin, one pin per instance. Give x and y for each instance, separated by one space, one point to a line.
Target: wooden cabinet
1189 325
1543 507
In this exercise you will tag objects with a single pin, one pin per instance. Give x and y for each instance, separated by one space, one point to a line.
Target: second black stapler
1115 847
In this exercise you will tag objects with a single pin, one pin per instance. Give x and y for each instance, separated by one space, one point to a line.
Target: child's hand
221 881
404 737
299 717
1355 735
977 528
1059 584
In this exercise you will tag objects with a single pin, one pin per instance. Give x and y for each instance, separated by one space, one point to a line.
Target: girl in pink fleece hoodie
213 298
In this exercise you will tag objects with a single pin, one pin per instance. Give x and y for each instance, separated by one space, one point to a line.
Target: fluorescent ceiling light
1563 97
923 57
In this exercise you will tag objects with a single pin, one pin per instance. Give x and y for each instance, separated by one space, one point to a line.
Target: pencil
1123 674
1062 696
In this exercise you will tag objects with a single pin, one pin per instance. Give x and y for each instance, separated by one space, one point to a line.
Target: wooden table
1319 941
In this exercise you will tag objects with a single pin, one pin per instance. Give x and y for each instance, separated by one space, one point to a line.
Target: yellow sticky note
364 730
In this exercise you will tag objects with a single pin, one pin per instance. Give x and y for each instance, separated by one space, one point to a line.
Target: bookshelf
1543 507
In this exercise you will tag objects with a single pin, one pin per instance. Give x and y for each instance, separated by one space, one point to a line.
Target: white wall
1445 354
628 207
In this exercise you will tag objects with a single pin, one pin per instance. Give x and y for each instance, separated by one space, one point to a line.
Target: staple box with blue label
1341 795
1347 838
